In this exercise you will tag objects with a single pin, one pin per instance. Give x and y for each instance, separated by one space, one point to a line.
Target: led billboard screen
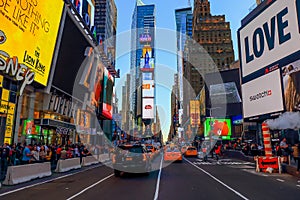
147 63
260 97
108 83
194 113
291 86
71 57
222 94
148 88
147 76
218 127
30 29
148 108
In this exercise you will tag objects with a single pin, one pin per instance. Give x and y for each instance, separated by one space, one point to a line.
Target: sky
166 63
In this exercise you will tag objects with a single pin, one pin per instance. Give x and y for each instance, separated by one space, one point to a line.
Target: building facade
106 27
184 25
142 29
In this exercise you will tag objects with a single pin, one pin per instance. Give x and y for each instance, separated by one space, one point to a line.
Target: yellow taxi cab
183 149
191 151
172 154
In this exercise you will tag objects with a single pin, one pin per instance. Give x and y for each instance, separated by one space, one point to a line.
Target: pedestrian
26 154
4 155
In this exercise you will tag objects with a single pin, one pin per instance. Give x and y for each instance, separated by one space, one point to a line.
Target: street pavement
190 179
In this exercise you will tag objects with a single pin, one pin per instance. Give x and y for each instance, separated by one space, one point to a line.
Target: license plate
128 158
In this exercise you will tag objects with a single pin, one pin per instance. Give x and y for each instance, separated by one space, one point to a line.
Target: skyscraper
106 27
213 33
142 40
184 25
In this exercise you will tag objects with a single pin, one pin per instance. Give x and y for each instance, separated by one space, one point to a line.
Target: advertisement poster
291 86
108 84
30 30
263 95
195 112
147 76
148 88
218 127
147 63
148 108
97 88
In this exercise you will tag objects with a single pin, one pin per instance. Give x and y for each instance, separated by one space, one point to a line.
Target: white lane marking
228 187
41 183
91 186
280 180
298 185
158 180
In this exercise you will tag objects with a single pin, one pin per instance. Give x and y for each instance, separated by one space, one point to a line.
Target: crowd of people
20 154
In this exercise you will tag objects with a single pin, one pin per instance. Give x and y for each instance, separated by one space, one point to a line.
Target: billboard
145 38
97 86
218 127
71 57
194 113
147 76
148 88
108 83
31 29
291 86
147 63
147 49
222 94
269 36
260 97
148 108
88 12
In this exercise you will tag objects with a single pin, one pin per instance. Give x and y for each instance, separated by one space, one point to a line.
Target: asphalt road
191 179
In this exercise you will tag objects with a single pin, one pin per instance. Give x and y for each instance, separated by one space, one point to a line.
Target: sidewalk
289 169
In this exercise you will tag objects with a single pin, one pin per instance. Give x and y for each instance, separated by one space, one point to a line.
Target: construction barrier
268 164
89 160
267 139
104 157
24 173
68 164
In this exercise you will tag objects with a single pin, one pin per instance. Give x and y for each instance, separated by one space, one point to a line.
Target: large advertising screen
270 36
30 30
147 76
71 58
147 63
194 113
218 128
148 108
291 86
148 88
260 97
108 83
223 94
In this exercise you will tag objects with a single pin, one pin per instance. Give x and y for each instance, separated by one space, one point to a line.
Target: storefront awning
54 123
